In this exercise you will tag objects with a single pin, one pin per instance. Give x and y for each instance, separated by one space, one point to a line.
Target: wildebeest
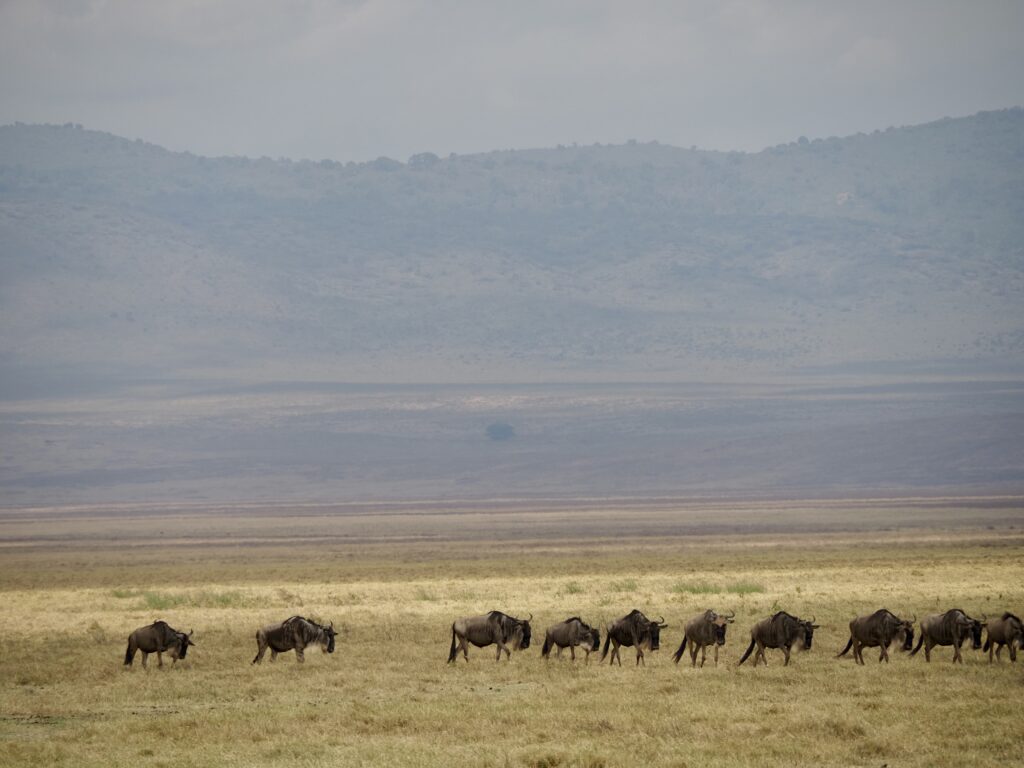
879 630
633 630
702 630
569 634
1006 630
294 633
495 628
949 628
159 638
779 631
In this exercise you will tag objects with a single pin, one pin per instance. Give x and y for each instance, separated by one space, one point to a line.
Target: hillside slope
636 262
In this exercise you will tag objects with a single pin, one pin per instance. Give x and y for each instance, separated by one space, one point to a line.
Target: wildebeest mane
1007 616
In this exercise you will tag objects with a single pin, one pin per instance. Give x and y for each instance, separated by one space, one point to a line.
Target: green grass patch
161 601
624 585
706 588
744 588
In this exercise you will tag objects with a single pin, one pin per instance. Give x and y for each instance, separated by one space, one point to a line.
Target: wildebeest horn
661 620
732 615
530 619
914 620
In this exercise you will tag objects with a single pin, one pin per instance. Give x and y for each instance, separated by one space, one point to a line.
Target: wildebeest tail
749 649
679 654
849 645
451 653
129 654
920 641
546 649
607 643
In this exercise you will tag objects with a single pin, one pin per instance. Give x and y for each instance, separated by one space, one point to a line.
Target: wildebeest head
807 632
525 632
654 633
907 628
975 630
327 638
184 641
720 623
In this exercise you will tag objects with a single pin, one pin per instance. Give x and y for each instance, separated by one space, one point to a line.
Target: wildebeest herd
782 631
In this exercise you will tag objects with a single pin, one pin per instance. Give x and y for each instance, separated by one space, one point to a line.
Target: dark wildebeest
702 630
1008 631
633 630
779 631
569 634
294 633
879 630
495 628
159 637
949 628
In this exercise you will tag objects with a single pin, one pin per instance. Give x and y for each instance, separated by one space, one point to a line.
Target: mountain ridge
635 261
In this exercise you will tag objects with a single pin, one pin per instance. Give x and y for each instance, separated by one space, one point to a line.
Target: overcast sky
353 80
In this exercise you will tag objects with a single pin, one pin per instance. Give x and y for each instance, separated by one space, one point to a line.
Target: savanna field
392 578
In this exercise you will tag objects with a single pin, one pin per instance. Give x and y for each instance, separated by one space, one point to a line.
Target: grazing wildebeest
1008 631
879 629
495 628
702 630
949 628
633 630
569 634
294 633
779 631
159 637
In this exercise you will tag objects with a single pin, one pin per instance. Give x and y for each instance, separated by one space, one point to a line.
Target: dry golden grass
74 586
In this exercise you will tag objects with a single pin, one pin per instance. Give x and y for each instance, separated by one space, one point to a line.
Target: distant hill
640 262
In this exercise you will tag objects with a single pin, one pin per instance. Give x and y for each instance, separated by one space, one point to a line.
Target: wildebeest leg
786 651
883 654
991 650
1013 652
716 654
956 654
145 658
928 649
464 645
558 653
273 655
300 654
159 659
760 654
572 652
703 655
693 655
640 656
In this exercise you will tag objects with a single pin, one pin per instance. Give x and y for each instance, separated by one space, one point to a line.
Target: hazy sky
358 79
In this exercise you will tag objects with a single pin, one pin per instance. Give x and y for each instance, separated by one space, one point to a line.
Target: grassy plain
76 581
